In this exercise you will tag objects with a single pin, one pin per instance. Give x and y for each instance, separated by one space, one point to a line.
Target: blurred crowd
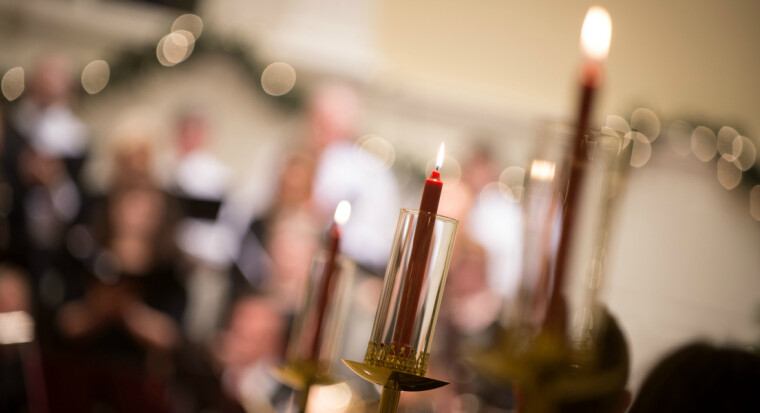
161 293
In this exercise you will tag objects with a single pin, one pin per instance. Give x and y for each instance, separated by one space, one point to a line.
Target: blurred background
170 166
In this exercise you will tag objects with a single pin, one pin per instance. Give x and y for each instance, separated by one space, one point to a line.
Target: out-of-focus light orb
335 398
380 148
95 76
726 137
542 170
12 84
617 123
754 202
679 137
190 22
703 143
278 78
451 171
16 327
642 149
511 182
175 47
646 121
728 174
512 176
745 152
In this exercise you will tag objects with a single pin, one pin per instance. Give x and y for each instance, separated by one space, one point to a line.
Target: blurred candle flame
596 34
342 212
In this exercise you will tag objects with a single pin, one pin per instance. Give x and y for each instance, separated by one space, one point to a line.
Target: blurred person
293 199
699 377
200 182
495 221
252 343
345 171
123 333
44 116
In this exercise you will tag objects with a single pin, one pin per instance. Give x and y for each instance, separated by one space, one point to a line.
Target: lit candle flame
439 158
596 34
342 212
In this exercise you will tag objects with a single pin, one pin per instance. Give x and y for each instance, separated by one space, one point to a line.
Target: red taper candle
342 212
595 42
415 275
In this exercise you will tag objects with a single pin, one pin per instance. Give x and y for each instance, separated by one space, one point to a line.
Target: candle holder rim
444 218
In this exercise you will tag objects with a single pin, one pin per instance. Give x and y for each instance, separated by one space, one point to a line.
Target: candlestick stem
390 398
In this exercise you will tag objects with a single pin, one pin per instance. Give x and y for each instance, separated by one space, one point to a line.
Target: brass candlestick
318 327
398 362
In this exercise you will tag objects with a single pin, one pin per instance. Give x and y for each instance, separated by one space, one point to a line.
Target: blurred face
192 134
255 331
51 81
137 213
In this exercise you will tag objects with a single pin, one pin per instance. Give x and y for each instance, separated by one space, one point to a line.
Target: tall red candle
342 213
415 275
595 42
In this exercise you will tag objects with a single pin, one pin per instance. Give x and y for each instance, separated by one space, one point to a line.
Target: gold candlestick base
393 382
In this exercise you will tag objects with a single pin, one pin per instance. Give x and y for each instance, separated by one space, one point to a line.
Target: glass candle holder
560 345
412 291
317 330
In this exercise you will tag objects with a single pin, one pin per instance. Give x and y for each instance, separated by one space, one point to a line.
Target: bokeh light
754 202
380 148
728 174
12 84
646 121
175 47
333 398
642 149
703 143
726 137
190 22
278 78
512 182
679 137
95 76
745 152
617 123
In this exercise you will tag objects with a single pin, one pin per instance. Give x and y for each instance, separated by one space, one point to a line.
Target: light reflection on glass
754 202
12 84
95 76
645 121
728 174
542 170
703 143
278 78
679 137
